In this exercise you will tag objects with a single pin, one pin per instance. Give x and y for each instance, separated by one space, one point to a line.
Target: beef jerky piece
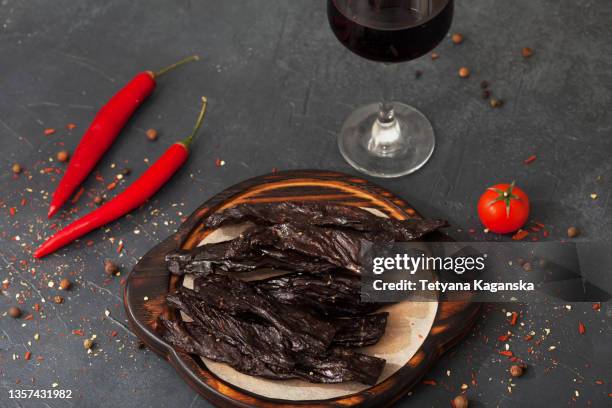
342 248
265 343
240 257
195 339
340 365
326 294
242 299
335 366
360 331
326 215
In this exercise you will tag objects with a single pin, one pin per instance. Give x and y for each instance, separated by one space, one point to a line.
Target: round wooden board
149 279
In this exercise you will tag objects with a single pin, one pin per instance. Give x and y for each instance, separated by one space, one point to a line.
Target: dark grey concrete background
279 87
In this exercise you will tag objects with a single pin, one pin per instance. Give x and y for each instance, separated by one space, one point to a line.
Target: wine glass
388 139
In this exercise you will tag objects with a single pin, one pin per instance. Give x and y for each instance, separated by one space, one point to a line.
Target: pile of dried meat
303 324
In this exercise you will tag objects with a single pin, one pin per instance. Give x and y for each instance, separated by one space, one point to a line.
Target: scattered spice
594 196
460 401
49 131
62 156
516 371
430 382
527 52
14 312
28 355
88 344
435 56
530 159
496 103
65 284
111 186
581 328
98 200
152 134
70 126
58 299
464 72
126 171
573 232
527 267
457 38
17 168
110 268
520 235
596 306
514 318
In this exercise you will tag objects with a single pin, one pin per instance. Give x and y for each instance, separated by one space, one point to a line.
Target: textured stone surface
279 87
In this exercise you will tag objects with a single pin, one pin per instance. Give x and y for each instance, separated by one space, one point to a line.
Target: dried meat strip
360 331
324 214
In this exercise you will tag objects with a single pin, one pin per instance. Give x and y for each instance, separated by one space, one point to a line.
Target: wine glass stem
386 136
386 114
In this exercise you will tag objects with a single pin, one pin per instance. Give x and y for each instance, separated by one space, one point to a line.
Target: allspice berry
152 134
460 401
526 52
17 168
62 156
457 38
88 344
573 232
14 312
516 371
110 268
65 284
464 72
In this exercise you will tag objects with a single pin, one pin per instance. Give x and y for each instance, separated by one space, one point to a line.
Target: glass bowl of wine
388 139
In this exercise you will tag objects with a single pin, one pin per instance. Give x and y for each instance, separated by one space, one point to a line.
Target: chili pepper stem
176 65
187 141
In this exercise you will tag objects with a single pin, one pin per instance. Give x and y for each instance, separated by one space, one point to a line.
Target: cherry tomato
503 208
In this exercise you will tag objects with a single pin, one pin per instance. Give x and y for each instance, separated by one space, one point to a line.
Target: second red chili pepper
103 131
133 197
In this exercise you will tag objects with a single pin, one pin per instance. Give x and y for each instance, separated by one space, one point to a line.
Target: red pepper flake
599 382
78 195
12 211
596 306
111 186
37 307
528 337
23 202
545 233
530 159
120 247
581 328
49 131
113 333
520 235
48 170
218 163
539 224
504 337
514 318
29 317
70 126
89 243
78 332
27 355
430 382
506 353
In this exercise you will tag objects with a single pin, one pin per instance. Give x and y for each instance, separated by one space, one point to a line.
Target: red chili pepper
133 197
103 131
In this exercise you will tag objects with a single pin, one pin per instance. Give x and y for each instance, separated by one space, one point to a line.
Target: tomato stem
187 141
176 65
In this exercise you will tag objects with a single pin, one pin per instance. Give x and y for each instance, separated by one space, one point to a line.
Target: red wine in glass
389 139
390 30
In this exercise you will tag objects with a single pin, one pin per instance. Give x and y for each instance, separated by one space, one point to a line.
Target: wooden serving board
149 282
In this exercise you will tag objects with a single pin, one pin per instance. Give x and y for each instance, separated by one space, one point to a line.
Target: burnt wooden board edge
453 320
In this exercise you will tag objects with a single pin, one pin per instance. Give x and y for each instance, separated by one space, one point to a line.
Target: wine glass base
411 149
